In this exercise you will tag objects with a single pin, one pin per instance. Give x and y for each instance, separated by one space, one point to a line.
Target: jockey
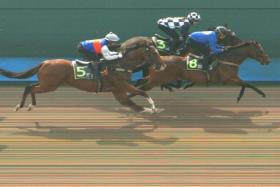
94 50
171 25
206 43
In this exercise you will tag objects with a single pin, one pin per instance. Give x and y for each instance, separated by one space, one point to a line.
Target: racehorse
52 73
226 70
230 40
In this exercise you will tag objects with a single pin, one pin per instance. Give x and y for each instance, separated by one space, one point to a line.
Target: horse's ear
211 28
251 42
254 42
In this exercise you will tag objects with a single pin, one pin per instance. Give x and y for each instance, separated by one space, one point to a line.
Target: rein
230 48
228 63
239 45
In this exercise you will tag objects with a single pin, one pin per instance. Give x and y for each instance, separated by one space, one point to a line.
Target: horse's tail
21 75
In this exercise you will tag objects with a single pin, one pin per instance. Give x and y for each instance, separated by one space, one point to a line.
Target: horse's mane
212 28
136 40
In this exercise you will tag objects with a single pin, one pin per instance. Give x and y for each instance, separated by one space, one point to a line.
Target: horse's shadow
211 120
128 135
2 147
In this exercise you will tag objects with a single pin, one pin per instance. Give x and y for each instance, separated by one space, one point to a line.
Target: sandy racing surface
203 138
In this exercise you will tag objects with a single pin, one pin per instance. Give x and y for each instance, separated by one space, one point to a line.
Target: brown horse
231 39
53 73
226 70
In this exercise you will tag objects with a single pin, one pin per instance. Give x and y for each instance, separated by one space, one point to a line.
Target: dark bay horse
53 73
226 70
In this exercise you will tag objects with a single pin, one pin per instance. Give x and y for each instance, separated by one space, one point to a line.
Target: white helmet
112 37
193 17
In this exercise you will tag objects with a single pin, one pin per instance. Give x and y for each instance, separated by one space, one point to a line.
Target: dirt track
203 138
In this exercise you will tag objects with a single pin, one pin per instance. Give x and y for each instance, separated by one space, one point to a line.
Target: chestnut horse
226 70
53 73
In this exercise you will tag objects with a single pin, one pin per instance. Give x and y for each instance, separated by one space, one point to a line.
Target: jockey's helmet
112 37
193 17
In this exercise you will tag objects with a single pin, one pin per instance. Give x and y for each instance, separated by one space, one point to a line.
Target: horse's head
139 51
246 49
230 38
256 51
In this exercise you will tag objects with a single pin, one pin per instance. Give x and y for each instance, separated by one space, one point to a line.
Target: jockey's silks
94 46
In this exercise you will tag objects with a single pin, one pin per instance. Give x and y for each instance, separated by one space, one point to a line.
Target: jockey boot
91 66
205 68
205 65
181 43
95 69
174 45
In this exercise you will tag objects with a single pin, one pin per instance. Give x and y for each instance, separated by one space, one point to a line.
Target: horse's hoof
147 110
158 110
30 107
17 107
263 95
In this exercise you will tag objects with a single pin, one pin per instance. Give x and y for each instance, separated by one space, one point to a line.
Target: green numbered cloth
85 72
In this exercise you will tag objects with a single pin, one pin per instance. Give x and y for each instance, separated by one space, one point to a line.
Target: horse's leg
26 92
145 87
166 86
253 88
241 93
33 98
133 90
244 84
189 85
125 86
33 95
125 101
41 88
174 84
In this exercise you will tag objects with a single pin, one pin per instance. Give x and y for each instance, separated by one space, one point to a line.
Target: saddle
82 63
195 62
161 37
163 45
86 70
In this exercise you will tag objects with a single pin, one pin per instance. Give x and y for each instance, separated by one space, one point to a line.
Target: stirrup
207 75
